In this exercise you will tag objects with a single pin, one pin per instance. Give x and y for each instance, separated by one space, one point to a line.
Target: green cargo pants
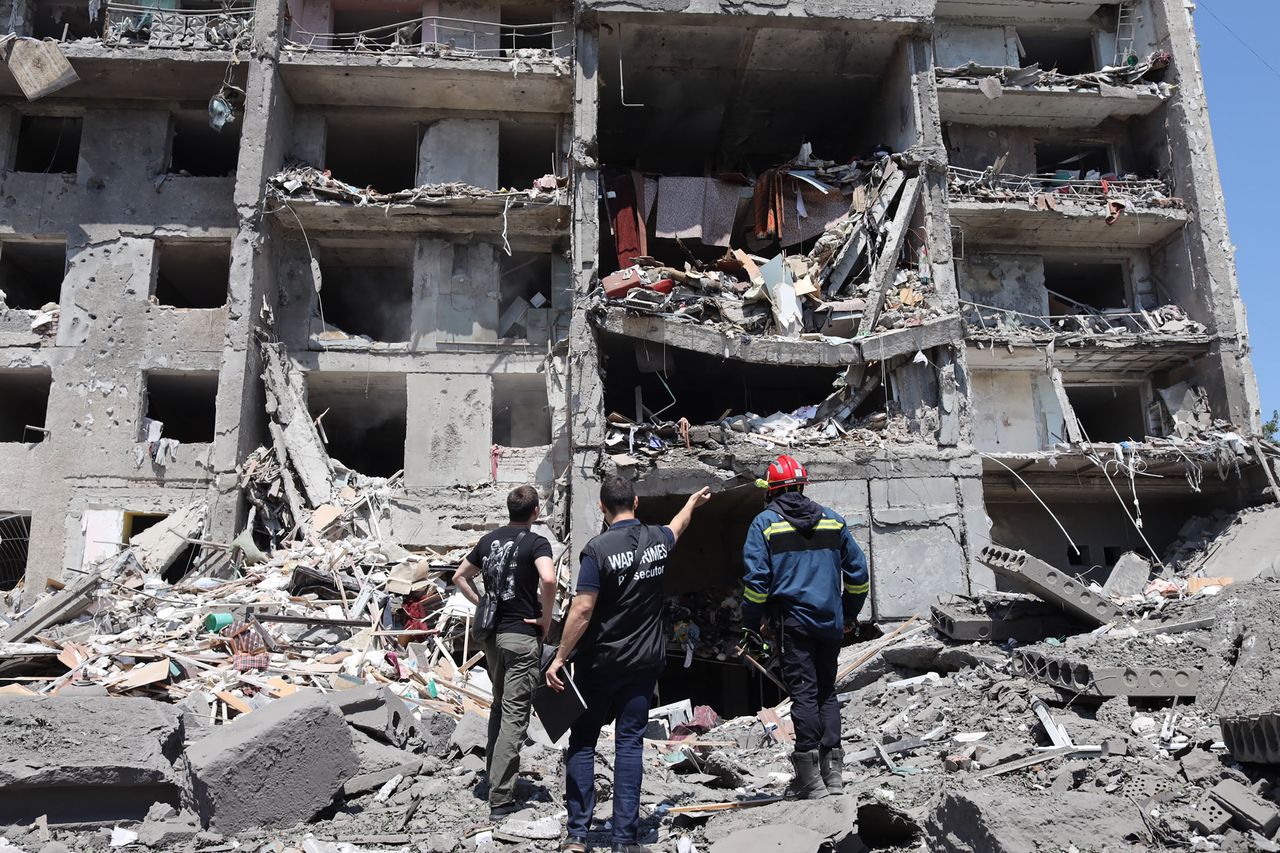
513 661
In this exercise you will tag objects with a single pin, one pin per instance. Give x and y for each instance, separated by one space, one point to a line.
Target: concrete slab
994 622
1253 737
1079 677
1053 585
273 767
87 758
1002 821
1129 576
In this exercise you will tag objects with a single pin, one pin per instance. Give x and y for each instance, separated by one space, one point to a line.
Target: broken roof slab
143 73
367 80
1071 473
528 226
962 102
1019 10
1106 357
1069 227
871 11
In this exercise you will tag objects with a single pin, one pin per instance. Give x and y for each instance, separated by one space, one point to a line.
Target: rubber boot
831 762
807 785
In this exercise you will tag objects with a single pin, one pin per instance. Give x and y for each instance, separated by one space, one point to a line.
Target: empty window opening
373 153
524 294
70 19
521 416
368 291
391 24
363 418
526 152
15 542
25 395
1075 287
48 144
1072 161
192 273
674 383
525 29
1109 413
137 522
31 273
1067 53
185 401
201 151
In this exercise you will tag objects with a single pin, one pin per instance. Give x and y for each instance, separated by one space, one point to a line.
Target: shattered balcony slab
157 74
820 352
1063 224
731 14
1037 10
333 78
1118 354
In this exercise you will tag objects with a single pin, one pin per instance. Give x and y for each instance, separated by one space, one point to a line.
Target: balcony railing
433 35
133 25
990 185
991 320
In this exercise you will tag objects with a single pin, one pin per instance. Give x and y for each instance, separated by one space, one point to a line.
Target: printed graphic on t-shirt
498 557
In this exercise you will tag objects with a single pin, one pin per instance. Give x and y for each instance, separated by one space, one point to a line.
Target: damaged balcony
176 46
360 53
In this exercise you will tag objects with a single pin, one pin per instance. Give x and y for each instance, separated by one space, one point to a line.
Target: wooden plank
234 702
141 676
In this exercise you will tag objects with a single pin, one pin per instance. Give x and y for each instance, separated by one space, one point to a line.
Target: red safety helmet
786 471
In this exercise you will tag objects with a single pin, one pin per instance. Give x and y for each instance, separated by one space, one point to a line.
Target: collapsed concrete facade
369 208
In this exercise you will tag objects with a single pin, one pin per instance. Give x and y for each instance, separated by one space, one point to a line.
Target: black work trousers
809 671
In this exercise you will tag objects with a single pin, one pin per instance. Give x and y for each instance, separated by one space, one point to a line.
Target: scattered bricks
1249 812
84 758
997 621
274 767
1085 680
378 711
1054 586
1209 818
1253 737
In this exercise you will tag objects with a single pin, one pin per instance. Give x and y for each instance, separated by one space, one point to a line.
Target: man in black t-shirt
516 563
616 623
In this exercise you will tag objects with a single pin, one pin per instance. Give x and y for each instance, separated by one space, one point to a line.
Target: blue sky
1244 107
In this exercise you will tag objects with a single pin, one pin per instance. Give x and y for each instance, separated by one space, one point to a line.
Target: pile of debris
302 181
1065 190
1090 327
1117 81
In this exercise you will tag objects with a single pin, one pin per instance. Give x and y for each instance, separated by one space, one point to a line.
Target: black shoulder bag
485 623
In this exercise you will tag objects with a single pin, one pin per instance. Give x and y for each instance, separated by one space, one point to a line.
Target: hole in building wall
192 273
1094 285
369 152
526 28
735 387
1077 159
364 418
15 541
1109 412
521 416
390 23
201 151
24 403
1067 52
524 287
53 20
368 290
48 144
185 401
31 273
526 152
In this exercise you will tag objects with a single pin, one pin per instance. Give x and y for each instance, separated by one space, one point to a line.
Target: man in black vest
616 623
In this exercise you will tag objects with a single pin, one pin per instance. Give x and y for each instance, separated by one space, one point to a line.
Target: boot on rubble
807 784
831 764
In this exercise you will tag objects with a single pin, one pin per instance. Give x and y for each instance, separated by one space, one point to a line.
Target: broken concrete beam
274 767
1026 621
1249 812
1128 577
87 758
1053 585
376 710
1086 680
63 605
162 543
913 339
1000 821
286 396
1253 737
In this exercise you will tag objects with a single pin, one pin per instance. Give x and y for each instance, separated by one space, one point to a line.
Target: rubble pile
1140 74
302 181
1090 327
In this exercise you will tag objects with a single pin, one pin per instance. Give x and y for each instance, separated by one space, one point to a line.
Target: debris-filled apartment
968 261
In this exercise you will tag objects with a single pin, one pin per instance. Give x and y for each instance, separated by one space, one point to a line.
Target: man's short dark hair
617 494
521 502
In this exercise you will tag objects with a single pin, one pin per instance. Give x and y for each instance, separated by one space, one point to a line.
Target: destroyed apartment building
293 292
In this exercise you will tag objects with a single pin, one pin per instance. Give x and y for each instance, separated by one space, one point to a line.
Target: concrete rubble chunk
1053 585
273 767
87 758
779 838
376 710
471 733
1129 576
1002 821
1249 811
